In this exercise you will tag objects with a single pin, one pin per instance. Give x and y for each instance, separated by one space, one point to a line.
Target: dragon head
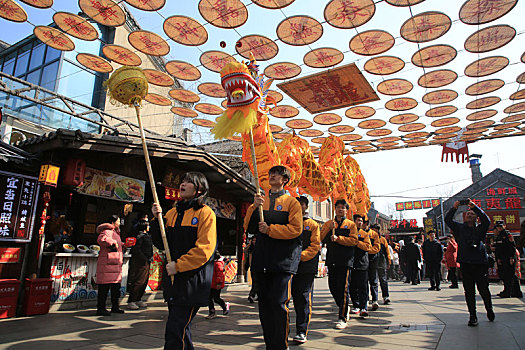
241 87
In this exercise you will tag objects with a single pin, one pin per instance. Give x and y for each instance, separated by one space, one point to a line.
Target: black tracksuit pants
274 292
382 274
434 273
339 283
476 275
373 278
302 293
178 327
359 289
452 276
103 290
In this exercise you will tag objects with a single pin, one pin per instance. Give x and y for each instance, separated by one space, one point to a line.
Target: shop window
9 64
68 85
21 64
33 77
49 76
37 56
52 54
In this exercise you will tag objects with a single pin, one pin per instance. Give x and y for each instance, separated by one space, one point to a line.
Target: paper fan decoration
345 15
183 70
121 55
208 108
284 111
319 140
282 70
417 140
483 102
323 57
394 87
106 12
501 132
384 65
434 56
379 132
226 14
277 96
437 78
184 112
275 128
299 30
311 133
480 115
203 122
147 5
440 96
480 12
215 60
518 107
445 136
157 99
158 78
360 143
41 4
299 124
401 104
263 48
360 112
12 11
507 126
481 124
441 111
474 131
418 134
425 27
372 42
54 38
389 139
513 118
411 127
148 43
94 62
75 25
486 66
521 78
273 4
445 122
184 95
490 38
371 124
484 87
341 129
448 130
518 95
212 90
404 118
327 118
350 137
185 30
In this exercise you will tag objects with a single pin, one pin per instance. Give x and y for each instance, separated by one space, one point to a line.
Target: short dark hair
375 227
111 219
431 231
142 225
303 199
342 202
357 216
201 186
281 170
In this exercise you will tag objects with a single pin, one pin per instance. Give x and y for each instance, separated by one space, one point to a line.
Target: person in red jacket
451 255
217 284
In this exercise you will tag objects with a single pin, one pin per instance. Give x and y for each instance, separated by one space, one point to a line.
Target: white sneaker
141 304
340 324
133 306
354 311
375 306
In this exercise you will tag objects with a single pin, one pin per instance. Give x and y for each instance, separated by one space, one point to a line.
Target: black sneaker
438 289
117 311
491 315
432 288
473 321
453 286
103 312
300 338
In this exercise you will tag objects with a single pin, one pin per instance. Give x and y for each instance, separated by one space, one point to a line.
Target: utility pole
442 217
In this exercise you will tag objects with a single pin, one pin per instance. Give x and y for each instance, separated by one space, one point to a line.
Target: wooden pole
333 215
256 173
153 188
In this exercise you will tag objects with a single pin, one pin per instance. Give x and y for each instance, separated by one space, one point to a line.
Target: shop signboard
511 218
49 175
9 255
414 205
18 194
104 184
221 208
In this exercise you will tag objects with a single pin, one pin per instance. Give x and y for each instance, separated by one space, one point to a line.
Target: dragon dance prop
128 86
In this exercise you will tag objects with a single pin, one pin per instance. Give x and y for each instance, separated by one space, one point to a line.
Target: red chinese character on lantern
413 223
513 203
513 190
493 203
491 192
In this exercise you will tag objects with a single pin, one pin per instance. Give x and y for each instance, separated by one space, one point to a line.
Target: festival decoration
323 57
261 47
75 25
372 42
184 95
401 104
434 56
282 70
484 87
121 55
147 5
54 38
183 70
227 14
425 27
94 62
480 12
483 102
480 115
148 43
158 78
437 78
106 12
486 66
273 4
440 96
12 11
490 38
299 30
394 87
215 60
384 65
346 15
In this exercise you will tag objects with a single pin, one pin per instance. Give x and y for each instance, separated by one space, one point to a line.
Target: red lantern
74 173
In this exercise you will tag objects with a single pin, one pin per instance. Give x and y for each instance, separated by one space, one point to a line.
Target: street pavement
416 319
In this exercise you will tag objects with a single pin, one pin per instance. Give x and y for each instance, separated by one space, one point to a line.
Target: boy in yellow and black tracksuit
303 281
373 259
340 258
383 264
276 256
358 285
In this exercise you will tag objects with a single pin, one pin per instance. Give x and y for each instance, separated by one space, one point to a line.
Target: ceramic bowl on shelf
68 248
94 249
82 248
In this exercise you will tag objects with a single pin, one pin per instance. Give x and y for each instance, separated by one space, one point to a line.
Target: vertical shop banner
103 184
18 201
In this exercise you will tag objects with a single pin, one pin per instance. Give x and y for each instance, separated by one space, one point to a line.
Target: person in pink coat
451 255
109 265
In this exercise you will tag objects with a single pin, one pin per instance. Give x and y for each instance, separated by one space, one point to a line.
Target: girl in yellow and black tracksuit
339 260
384 261
358 286
373 259
275 259
303 281
192 239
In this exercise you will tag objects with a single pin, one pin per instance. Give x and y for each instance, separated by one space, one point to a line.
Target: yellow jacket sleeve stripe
315 243
294 228
351 240
204 245
377 242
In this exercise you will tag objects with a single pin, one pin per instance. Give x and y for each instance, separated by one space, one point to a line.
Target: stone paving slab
416 319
